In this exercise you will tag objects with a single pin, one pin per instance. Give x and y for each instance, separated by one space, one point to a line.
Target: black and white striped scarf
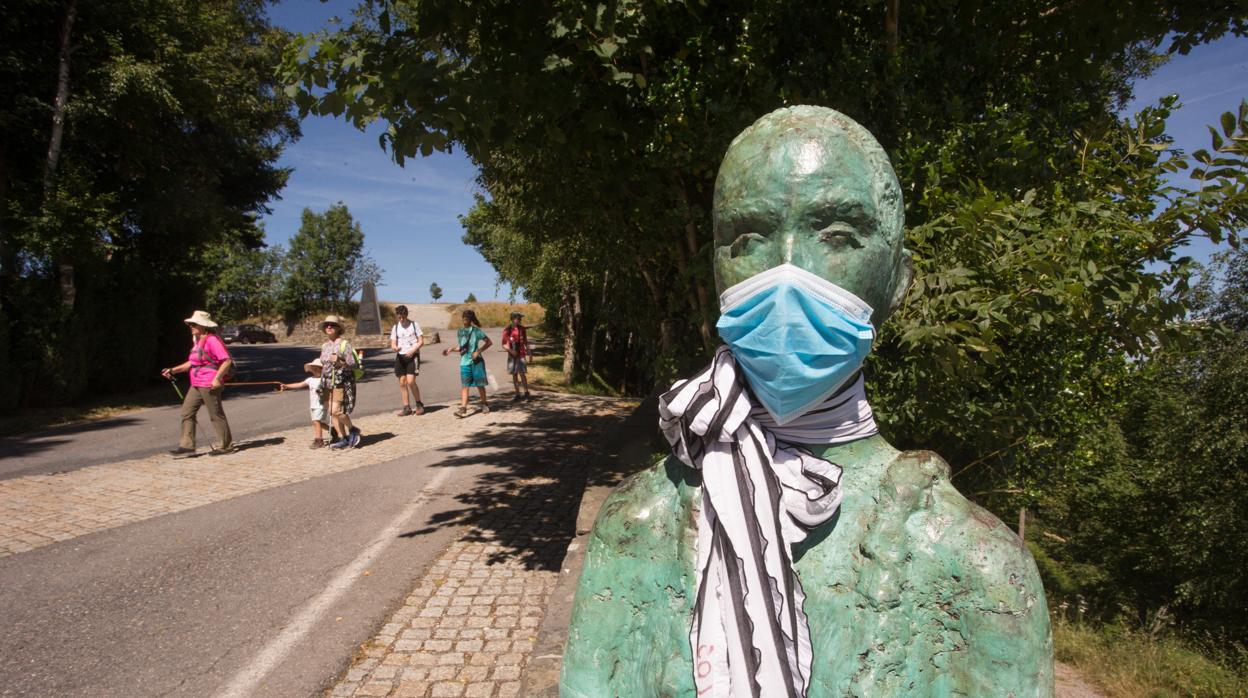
760 496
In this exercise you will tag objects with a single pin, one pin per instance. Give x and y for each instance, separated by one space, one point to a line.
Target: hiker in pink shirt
207 364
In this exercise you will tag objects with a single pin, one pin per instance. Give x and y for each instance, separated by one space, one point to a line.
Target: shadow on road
260 443
44 439
370 439
528 503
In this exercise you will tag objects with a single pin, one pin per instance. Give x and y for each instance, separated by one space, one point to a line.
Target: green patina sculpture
911 589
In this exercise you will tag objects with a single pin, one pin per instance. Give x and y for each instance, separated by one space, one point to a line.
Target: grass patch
37 418
546 370
1126 662
493 314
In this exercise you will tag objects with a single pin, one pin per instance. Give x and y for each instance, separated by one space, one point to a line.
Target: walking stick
234 383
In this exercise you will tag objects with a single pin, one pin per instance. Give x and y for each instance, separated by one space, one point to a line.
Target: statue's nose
795 249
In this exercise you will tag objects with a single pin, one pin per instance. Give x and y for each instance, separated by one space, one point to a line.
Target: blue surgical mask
796 336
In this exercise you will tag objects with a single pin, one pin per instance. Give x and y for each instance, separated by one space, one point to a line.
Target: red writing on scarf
703 666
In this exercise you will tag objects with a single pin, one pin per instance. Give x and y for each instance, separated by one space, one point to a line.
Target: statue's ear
903 277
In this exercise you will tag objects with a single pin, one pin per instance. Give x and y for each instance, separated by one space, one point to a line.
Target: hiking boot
461 412
340 444
353 441
485 409
317 443
403 412
179 451
420 408
527 397
223 451
517 397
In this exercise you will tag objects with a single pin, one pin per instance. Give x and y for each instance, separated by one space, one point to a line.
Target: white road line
244 682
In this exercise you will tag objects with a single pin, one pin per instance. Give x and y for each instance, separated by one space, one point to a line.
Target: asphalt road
252 410
191 603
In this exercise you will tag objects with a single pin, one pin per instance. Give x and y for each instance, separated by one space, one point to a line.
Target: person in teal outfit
471 343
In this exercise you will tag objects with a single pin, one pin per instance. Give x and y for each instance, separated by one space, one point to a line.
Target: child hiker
338 381
471 363
312 384
516 342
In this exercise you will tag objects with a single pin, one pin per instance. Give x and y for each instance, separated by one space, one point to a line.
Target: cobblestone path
469 626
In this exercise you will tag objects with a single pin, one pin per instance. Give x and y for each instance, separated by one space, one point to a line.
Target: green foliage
172 127
1163 500
245 283
326 264
598 128
435 291
1046 229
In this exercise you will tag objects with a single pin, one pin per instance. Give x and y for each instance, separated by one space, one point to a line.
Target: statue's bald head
810 187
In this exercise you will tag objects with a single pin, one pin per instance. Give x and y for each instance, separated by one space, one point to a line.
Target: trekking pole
176 389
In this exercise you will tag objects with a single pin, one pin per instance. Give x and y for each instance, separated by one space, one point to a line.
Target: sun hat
201 318
311 365
332 320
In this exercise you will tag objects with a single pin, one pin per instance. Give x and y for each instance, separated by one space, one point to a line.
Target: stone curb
637 438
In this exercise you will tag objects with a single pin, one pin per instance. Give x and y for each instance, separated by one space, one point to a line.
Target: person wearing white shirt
406 339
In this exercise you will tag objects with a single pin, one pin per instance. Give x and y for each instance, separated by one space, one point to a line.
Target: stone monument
368 320
909 588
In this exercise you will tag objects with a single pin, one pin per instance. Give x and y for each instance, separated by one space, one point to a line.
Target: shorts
472 375
515 365
318 414
406 365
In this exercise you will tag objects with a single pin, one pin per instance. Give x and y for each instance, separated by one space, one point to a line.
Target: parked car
247 334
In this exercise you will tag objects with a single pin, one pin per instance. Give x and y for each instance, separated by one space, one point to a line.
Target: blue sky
409 214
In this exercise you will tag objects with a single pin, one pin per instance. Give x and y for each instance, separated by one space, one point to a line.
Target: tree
326 264
435 291
134 137
598 129
1157 523
472 298
1045 231
245 282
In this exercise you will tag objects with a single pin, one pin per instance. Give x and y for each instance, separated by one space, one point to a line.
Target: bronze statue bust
910 589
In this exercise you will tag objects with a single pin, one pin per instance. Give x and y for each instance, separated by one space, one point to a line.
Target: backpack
357 371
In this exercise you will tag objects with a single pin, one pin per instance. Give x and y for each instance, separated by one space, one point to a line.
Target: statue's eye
839 235
745 243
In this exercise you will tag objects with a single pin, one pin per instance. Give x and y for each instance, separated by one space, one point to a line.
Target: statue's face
804 196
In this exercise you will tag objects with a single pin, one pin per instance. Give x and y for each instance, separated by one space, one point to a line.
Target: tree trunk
665 325
570 310
6 252
64 262
892 14
592 355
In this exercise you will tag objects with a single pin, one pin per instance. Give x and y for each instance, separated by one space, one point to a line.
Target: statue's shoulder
971 547
918 482
652 506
